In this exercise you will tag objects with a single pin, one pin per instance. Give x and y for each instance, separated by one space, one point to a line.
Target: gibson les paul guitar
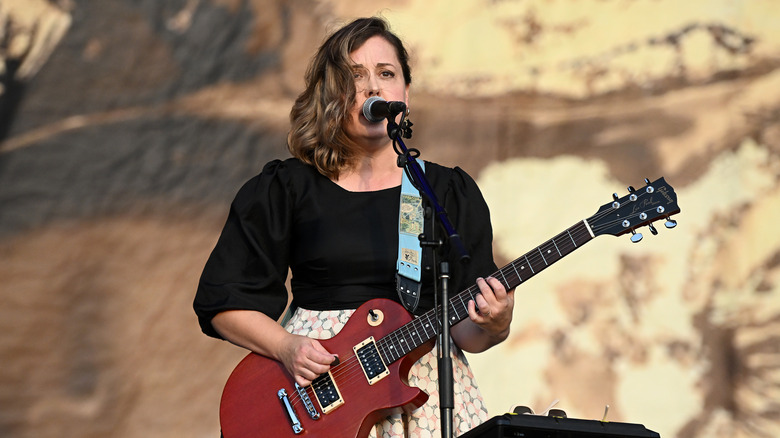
381 341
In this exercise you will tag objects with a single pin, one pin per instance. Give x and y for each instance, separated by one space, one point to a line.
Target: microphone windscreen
367 109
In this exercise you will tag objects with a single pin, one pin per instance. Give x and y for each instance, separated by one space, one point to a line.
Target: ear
406 95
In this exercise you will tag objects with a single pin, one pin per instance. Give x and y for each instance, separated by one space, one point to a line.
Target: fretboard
406 338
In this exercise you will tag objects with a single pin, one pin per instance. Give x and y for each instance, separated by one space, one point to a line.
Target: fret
433 322
391 354
405 338
399 343
391 346
556 248
465 304
456 301
417 327
540 265
455 316
382 353
424 327
406 348
529 264
429 322
541 254
572 238
551 251
506 283
414 332
519 278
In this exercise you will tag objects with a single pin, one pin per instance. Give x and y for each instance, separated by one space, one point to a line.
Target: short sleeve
248 267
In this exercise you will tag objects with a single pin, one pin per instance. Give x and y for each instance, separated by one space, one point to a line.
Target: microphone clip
406 127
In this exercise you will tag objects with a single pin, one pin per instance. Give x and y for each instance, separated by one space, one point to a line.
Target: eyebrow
381 64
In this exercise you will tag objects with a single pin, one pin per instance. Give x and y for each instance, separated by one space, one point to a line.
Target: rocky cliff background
126 126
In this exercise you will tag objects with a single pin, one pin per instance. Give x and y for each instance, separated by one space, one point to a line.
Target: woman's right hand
305 358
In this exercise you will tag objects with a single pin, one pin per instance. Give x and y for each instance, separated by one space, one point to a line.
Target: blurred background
126 127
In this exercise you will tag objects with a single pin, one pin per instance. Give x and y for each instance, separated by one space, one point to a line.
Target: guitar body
250 406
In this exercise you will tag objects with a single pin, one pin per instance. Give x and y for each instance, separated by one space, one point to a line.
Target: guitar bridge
370 360
307 402
327 392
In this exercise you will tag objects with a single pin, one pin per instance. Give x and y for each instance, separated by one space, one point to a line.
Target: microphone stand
406 159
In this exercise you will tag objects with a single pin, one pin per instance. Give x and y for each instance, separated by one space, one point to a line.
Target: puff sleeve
470 214
248 267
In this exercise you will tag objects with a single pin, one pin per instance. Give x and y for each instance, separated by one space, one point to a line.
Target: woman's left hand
491 309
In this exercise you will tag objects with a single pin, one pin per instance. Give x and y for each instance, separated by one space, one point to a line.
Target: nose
372 86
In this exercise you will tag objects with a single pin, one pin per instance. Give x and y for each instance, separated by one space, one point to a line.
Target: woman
331 216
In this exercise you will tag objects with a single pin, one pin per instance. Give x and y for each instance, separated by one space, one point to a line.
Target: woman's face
377 72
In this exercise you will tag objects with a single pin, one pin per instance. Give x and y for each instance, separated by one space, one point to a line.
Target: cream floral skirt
424 422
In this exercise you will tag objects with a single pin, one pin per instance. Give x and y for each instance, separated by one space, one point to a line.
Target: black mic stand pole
417 177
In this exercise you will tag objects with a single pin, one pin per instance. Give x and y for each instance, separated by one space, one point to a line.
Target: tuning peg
670 223
633 196
635 237
647 181
615 204
653 230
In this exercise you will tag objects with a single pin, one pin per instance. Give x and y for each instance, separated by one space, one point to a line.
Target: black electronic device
537 426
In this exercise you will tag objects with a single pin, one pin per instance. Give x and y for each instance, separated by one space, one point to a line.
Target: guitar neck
426 327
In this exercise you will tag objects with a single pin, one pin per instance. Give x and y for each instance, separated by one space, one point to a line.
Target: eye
388 74
358 72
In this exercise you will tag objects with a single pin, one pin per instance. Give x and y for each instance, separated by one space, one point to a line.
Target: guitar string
578 230
347 371
353 371
336 371
351 365
409 330
318 384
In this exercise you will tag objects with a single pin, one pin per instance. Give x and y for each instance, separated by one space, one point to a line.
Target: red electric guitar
381 341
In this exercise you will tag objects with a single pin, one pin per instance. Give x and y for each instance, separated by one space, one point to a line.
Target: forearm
305 358
490 315
470 337
252 330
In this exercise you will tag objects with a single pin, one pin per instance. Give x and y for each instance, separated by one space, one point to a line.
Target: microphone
376 109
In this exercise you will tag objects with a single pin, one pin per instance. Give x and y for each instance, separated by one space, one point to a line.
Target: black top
341 246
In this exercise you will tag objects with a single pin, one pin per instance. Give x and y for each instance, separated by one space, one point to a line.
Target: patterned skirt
424 422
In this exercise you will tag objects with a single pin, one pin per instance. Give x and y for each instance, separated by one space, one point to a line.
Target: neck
372 172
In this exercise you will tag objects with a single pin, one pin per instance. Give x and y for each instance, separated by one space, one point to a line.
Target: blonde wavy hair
320 113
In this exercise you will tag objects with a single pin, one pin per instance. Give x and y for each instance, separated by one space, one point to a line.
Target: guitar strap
410 226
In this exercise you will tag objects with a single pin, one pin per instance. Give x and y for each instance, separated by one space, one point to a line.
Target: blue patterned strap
410 226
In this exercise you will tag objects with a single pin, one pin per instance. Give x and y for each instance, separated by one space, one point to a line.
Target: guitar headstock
640 207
